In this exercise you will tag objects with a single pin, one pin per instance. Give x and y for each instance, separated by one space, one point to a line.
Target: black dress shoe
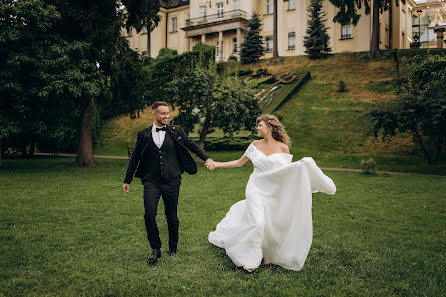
172 253
154 256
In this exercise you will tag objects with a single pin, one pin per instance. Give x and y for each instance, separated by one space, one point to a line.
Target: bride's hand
210 164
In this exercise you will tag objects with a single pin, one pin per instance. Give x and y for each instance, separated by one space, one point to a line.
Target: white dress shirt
158 137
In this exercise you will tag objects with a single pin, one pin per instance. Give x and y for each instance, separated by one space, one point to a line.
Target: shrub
368 166
341 86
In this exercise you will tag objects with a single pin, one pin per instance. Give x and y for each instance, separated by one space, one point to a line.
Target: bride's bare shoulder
256 142
284 148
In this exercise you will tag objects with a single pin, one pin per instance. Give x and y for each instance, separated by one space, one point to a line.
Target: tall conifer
252 47
316 41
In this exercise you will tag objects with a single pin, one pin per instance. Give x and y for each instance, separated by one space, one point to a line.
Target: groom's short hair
158 103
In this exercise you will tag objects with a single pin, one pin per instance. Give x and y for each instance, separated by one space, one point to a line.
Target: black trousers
169 189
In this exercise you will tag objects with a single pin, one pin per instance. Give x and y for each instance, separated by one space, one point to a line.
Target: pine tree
316 41
252 47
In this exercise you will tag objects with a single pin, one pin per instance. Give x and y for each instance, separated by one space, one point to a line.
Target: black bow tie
161 129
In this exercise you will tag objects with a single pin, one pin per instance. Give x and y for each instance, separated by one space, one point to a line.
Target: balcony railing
213 18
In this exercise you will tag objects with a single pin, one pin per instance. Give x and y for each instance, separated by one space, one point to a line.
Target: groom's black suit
160 171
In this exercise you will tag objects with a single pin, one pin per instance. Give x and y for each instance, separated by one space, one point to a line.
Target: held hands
210 164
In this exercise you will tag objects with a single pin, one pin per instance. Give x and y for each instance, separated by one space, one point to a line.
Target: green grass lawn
70 231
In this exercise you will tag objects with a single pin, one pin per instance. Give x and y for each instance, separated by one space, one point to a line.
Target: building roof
173 3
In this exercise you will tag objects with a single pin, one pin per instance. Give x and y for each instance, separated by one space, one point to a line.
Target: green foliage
204 48
316 41
368 166
57 56
252 47
420 109
244 72
167 53
223 102
163 70
341 86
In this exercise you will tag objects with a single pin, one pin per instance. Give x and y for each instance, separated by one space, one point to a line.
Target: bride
274 221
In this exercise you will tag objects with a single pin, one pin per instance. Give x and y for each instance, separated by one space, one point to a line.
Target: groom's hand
126 187
209 164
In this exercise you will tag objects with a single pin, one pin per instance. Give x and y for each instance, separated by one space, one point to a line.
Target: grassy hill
322 122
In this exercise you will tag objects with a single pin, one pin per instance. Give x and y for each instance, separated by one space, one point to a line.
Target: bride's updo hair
277 129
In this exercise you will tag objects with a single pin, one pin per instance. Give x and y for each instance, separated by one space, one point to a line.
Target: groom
159 158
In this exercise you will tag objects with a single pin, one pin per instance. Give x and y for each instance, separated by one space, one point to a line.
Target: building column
203 38
440 36
239 42
220 45
188 43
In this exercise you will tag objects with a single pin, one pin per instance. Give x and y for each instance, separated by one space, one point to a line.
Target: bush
341 86
368 166
244 72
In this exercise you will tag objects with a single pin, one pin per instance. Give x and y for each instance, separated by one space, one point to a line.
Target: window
268 44
291 4
203 13
236 7
234 44
291 40
346 31
174 24
219 11
236 4
269 6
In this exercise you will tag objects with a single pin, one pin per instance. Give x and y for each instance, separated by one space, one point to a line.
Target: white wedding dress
274 221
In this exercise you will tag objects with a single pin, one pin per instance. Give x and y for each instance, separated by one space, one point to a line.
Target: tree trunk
85 151
374 43
1 153
204 130
420 141
24 150
32 147
275 49
439 145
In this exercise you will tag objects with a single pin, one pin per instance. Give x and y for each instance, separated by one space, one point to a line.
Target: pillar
440 32
239 42
220 45
203 38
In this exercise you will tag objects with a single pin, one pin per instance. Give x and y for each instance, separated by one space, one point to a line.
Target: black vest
161 162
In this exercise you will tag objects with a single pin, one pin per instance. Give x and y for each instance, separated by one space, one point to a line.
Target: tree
28 69
252 47
348 14
62 57
420 110
103 33
223 102
275 44
316 41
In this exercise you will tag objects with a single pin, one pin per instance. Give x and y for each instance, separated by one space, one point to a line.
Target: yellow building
429 15
221 23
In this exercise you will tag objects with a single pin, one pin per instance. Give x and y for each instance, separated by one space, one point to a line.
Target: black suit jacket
142 160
